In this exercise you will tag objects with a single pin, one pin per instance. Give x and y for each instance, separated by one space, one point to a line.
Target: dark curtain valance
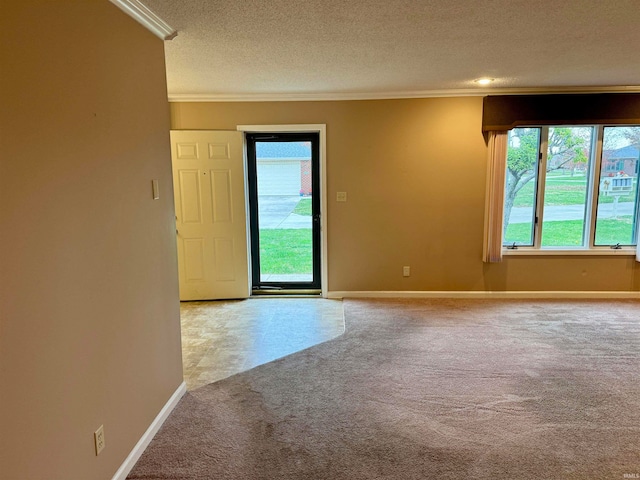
504 112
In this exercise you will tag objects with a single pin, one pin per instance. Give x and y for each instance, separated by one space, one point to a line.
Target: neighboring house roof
625 152
297 150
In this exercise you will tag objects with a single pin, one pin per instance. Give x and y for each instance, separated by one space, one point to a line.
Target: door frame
321 129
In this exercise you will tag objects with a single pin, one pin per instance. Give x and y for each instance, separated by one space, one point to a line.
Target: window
572 187
612 165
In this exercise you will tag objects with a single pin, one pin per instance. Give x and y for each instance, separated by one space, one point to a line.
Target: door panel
222 202
190 196
208 174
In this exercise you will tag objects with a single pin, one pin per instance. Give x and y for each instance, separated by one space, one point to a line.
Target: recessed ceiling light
484 81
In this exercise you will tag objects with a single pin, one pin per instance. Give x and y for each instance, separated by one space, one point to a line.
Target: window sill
535 252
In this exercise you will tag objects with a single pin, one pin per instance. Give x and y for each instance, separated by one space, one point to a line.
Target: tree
566 148
620 137
632 135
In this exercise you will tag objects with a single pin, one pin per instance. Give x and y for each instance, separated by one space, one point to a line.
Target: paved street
569 212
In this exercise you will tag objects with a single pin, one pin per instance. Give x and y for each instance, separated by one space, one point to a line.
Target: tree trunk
509 199
508 205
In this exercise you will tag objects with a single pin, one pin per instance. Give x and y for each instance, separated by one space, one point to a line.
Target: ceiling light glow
484 81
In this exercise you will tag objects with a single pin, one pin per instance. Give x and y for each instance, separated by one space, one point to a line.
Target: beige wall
414 171
89 309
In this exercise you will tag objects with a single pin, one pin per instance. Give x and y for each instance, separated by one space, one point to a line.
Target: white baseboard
145 440
484 294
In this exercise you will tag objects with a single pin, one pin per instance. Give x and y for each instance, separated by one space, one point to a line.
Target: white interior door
209 189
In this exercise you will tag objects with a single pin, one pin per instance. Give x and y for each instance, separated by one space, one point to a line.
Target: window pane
284 211
566 186
520 188
618 190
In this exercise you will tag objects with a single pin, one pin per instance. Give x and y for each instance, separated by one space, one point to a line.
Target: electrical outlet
341 196
406 271
98 437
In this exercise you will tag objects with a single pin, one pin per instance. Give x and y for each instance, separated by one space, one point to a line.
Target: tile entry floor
224 337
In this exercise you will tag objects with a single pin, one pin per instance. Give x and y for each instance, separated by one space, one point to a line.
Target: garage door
278 177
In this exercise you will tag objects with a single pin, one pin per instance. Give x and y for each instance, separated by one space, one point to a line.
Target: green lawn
290 251
286 251
568 233
303 207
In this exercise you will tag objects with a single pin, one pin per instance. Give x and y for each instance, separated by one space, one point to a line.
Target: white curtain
494 200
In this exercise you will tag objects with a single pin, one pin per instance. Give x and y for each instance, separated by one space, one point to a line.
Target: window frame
594 173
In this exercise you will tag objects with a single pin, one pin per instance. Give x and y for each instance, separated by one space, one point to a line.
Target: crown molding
461 92
143 15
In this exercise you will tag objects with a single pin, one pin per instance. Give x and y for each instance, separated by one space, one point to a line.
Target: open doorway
284 211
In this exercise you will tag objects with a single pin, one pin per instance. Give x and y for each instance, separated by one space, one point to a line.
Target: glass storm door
284 209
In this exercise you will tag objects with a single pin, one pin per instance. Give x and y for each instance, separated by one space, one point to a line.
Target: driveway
277 212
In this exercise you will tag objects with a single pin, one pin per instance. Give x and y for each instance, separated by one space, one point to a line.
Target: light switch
154 187
341 196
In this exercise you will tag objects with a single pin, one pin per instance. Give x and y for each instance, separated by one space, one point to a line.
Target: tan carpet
426 389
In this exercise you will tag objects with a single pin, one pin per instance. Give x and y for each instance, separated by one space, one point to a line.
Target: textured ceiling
263 49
